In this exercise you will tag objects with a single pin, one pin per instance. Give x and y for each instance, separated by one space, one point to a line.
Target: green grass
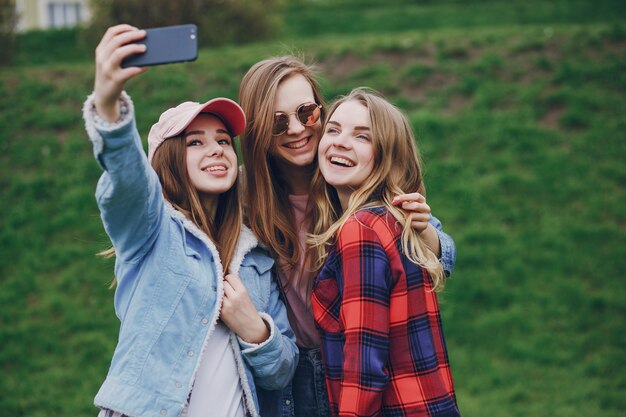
317 17
522 131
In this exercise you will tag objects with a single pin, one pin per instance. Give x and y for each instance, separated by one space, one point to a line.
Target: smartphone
166 45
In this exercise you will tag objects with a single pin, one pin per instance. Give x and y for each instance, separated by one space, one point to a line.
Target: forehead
351 113
292 92
206 121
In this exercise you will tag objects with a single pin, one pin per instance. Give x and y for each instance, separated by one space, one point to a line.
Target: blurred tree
219 21
8 21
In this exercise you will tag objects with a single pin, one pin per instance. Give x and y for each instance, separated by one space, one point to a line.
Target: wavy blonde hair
268 210
397 170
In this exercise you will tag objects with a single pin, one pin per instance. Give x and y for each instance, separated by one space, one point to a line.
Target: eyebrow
202 132
355 127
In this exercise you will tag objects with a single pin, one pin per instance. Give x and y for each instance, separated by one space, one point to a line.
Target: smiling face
295 149
210 155
346 154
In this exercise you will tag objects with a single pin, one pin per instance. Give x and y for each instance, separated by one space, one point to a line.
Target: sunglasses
307 114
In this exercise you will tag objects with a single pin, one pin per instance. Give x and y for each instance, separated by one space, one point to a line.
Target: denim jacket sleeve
274 361
128 192
448 249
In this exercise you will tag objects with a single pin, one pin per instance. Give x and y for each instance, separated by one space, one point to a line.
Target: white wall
45 14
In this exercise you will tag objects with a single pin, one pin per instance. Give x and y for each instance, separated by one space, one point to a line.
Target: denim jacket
170 288
447 246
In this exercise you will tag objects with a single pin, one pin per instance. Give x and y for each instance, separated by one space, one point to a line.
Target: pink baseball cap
175 120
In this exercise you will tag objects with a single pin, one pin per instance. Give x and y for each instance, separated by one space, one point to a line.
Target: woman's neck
298 179
343 194
344 199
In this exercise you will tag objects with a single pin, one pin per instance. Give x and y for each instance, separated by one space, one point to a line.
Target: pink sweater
299 291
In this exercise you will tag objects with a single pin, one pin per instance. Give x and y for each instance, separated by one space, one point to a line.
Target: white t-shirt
217 389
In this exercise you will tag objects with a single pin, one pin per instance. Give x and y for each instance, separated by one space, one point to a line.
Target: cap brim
227 110
230 113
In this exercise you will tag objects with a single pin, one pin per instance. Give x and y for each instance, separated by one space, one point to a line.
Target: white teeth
297 145
215 168
341 161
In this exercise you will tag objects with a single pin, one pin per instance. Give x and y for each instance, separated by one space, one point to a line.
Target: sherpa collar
247 241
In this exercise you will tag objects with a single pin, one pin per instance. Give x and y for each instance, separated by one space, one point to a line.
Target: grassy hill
521 125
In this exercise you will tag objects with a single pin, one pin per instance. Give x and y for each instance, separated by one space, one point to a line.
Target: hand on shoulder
417 208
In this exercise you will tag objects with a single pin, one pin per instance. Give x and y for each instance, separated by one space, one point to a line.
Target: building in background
47 14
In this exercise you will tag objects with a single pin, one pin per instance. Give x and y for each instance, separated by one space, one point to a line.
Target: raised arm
128 192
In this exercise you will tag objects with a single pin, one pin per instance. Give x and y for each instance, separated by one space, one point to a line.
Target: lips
298 144
215 168
341 161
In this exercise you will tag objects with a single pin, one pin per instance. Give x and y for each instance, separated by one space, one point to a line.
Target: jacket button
205 320
190 353
179 385
287 402
163 412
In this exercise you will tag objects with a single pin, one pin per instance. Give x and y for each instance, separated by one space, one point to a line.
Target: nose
295 127
342 141
214 149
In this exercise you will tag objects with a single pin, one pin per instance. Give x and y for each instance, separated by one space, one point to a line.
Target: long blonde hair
397 170
169 162
268 209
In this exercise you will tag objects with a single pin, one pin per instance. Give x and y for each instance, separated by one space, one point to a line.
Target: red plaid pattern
383 346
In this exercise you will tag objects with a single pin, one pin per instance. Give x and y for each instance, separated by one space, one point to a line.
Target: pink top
299 291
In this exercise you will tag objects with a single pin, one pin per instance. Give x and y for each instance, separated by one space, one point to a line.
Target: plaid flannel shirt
383 347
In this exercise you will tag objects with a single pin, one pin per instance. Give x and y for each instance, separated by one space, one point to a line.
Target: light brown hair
169 162
267 207
397 170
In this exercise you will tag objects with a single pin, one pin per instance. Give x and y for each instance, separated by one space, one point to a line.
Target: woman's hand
419 216
419 211
240 314
115 45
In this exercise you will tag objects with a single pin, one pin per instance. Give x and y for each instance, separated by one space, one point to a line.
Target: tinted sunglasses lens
308 114
281 123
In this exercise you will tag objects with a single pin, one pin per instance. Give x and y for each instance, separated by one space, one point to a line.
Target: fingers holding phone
125 51
117 43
